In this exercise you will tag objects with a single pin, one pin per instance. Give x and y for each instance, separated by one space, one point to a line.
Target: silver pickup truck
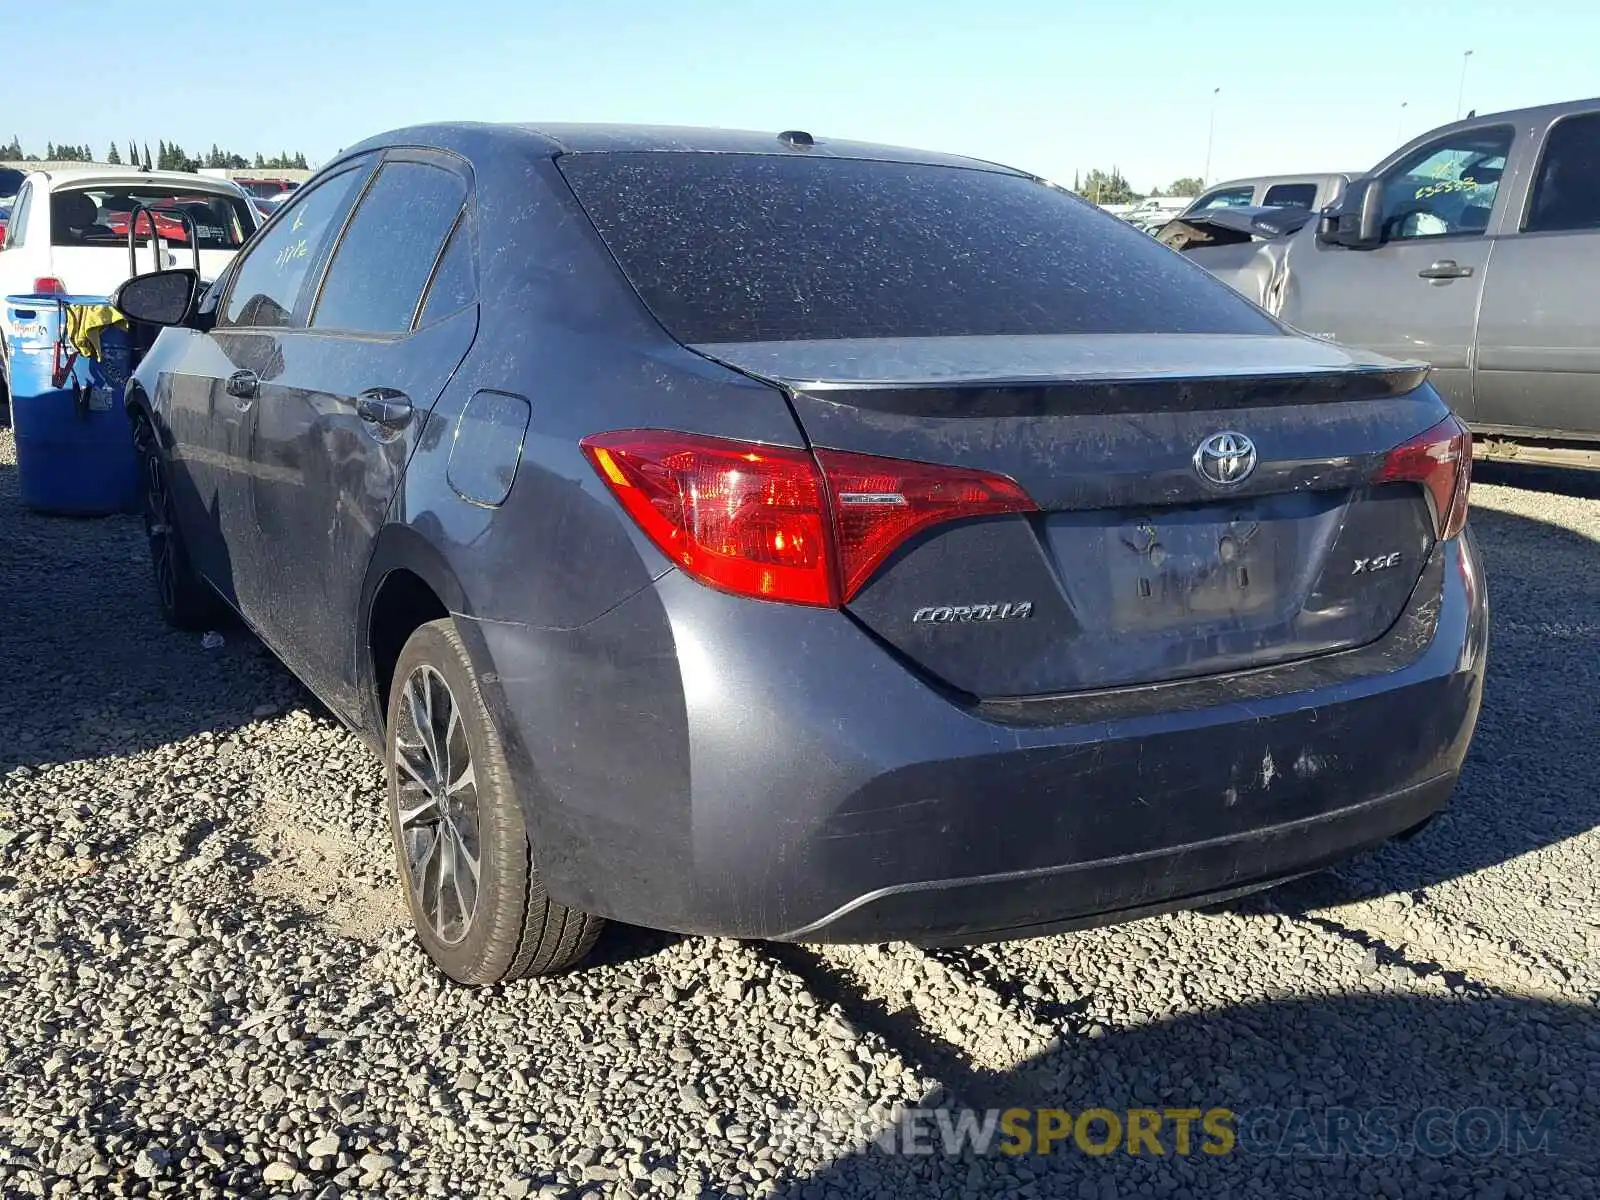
1475 248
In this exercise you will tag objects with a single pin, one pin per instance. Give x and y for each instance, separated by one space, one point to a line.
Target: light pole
1211 134
1400 125
1461 92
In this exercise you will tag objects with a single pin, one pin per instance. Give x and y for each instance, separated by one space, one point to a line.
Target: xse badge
1381 562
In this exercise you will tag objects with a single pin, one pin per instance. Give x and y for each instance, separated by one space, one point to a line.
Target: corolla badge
1225 459
942 613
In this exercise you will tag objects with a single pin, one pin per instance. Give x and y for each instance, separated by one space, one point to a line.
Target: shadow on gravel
1530 778
1367 1095
1584 485
621 943
90 669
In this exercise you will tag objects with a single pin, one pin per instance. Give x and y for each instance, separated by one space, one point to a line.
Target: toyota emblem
1225 459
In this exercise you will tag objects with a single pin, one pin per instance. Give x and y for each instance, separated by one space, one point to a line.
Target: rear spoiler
1024 376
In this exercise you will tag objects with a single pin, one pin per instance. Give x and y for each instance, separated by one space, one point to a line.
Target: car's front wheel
461 845
187 601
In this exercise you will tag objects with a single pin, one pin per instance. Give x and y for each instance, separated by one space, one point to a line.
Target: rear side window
1567 192
267 285
734 247
100 216
386 256
17 226
1290 195
1226 198
453 286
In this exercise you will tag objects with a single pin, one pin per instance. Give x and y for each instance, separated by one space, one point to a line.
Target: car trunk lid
1136 568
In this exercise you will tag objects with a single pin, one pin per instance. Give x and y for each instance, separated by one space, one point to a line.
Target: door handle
244 385
1445 268
384 407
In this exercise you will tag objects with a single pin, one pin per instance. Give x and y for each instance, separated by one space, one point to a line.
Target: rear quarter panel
560 328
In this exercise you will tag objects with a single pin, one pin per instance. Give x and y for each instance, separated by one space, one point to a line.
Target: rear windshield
100 215
736 248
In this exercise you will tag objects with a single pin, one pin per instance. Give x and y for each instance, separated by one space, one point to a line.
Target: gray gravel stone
279 1172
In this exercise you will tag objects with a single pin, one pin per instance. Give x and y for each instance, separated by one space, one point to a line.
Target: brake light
49 285
1440 459
878 503
781 524
743 518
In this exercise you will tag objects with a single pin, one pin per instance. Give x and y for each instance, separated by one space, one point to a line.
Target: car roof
88 176
570 138
1538 112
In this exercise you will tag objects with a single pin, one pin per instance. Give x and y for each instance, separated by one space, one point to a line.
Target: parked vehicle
69 228
68 231
265 188
10 180
1151 213
788 538
1312 192
1241 245
1472 248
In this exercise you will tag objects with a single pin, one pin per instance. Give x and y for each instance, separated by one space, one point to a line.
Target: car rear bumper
696 762
1124 888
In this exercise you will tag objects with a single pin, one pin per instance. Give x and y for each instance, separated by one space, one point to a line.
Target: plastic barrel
74 443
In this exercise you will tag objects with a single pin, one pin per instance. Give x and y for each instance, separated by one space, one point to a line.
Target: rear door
1204 481
1415 296
393 317
1538 365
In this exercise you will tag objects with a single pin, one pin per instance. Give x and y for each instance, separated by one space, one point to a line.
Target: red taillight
780 524
746 519
1440 459
48 285
880 502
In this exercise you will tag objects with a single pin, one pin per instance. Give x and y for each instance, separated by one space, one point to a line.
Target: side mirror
1356 221
158 298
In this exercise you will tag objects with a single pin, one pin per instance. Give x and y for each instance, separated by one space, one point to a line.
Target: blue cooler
74 443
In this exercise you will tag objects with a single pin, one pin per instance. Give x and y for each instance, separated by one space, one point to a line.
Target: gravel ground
206 987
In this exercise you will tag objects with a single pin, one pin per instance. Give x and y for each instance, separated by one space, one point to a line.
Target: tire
187 601
5 386
507 927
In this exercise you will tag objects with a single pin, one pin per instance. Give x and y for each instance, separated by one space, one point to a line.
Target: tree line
1111 187
169 156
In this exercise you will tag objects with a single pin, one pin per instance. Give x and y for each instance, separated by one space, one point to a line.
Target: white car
68 229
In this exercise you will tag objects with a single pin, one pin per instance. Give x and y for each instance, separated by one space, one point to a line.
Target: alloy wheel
437 805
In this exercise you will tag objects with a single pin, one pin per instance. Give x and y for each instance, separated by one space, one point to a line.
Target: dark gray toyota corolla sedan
775 537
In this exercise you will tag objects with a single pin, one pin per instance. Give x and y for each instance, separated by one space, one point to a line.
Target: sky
1054 88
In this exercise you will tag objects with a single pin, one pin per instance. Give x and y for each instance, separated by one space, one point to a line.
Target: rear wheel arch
137 404
408 584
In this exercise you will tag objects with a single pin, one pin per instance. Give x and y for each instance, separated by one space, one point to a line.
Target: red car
170 227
